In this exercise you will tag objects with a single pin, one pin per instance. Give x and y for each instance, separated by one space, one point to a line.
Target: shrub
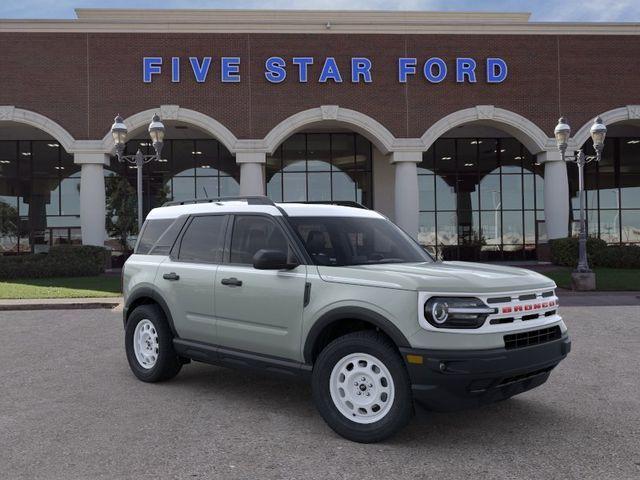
61 261
565 252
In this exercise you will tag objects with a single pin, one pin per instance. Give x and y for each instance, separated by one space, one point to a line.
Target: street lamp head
598 132
562 133
156 132
119 133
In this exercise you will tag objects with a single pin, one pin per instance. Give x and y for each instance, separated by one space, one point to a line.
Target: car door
186 279
259 311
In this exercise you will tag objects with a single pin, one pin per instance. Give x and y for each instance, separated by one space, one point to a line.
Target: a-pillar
92 196
406 190
556 194
251 172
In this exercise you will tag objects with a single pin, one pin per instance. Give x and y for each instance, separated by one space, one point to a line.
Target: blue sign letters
327 70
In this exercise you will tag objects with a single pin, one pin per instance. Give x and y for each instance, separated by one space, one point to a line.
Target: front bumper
448 380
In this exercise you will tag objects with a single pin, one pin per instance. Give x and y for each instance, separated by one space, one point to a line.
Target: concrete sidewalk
59 303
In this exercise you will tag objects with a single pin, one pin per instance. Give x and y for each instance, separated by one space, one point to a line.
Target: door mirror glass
266 259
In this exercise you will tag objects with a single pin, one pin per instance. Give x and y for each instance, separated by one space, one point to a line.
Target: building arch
363 124
616 115
10 113
176 113
521 128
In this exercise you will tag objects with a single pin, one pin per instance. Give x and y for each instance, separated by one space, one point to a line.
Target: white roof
241 206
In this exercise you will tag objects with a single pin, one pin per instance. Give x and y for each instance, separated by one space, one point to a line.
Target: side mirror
272 260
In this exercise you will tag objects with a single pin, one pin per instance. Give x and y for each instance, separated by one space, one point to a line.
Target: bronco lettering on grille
529 307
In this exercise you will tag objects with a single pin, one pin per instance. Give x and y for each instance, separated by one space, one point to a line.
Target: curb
59 304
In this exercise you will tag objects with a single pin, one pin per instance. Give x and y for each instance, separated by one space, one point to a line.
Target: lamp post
598 132
119 133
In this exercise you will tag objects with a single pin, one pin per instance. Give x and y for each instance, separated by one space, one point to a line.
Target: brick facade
80 80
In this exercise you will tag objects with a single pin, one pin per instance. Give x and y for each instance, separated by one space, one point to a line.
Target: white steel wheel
145 344
362 388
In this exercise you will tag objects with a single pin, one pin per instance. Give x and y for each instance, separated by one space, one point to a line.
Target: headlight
454 312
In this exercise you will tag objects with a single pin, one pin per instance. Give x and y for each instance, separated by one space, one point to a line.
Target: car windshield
344 241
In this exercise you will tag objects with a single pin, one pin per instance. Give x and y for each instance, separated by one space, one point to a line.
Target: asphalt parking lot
70 408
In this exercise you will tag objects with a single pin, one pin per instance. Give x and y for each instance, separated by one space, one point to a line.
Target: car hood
445 277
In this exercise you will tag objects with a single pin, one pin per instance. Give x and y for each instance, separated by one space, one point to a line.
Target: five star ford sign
361 69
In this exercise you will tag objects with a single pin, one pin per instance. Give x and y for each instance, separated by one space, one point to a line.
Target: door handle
231 282
171 276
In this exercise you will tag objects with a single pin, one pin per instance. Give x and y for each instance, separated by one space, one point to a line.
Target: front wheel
361 387
149 345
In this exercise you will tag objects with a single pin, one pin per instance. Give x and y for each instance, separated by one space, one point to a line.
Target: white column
92 197
556 194
251 172
406 190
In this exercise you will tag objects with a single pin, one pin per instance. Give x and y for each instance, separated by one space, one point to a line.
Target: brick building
442 121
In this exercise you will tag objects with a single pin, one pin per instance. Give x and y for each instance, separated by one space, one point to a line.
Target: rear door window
203 241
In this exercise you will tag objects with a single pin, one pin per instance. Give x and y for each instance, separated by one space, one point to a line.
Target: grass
70 287
607 279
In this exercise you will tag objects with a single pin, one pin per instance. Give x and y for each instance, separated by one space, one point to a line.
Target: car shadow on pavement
513 420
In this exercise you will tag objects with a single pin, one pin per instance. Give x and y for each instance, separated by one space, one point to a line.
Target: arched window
480 198
321 167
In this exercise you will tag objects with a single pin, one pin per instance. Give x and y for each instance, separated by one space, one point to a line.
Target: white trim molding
10 113
312 22
373 130
180 114
521 128
621 114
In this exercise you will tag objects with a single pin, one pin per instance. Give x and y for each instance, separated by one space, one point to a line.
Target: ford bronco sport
338 295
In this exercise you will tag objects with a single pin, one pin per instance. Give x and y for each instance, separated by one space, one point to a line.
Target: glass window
512 192
294 153
321 167
511 156
45 158
343 186
203 240
445 156
490 192
363 153
427 228
229 187
343 151
319 152
487 155
274 187
8 159
445 193
630 226
320 186
427 191
183 153
467 154
207 187
152 230
252 233
340 241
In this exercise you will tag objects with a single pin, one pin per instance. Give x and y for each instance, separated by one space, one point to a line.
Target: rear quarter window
153 231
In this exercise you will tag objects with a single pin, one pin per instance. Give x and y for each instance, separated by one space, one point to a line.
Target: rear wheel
361 387
149 345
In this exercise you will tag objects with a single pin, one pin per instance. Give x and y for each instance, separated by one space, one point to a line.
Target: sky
542 10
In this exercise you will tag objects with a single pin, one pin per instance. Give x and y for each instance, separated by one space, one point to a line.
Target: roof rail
342 203
250 199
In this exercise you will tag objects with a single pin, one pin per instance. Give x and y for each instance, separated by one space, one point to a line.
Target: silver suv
341 296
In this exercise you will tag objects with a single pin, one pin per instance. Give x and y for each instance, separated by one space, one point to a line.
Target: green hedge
565 252
61 261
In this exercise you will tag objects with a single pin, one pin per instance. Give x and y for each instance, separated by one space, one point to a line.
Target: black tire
167 364
380 347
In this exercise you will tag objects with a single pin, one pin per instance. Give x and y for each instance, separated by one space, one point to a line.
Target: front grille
534 337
